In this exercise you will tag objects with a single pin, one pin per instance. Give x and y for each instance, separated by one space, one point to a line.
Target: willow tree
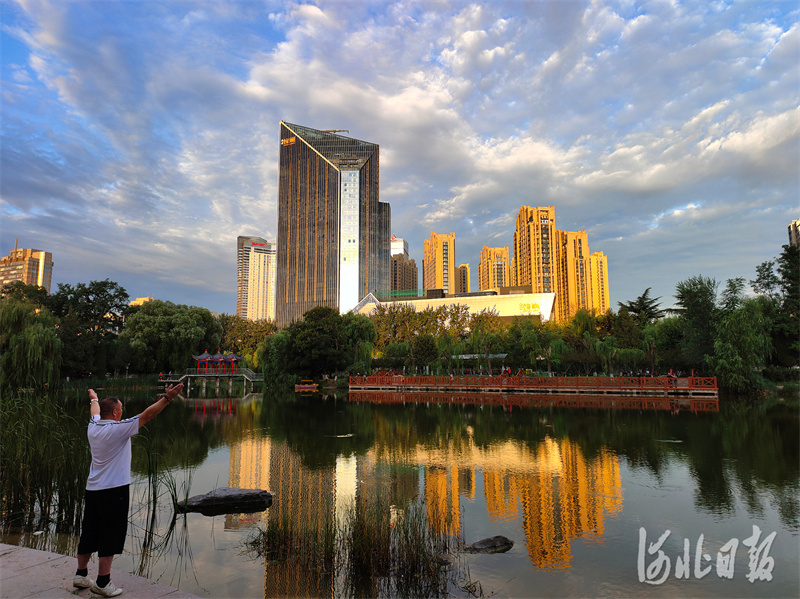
30 351
742 347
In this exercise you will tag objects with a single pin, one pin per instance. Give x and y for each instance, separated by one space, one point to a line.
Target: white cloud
640 123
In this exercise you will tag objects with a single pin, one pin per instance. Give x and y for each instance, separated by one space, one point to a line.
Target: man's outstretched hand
173 391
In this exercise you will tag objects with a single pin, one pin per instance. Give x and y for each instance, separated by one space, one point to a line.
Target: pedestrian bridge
210 383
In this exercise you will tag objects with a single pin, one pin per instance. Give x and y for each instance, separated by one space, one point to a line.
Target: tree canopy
161 336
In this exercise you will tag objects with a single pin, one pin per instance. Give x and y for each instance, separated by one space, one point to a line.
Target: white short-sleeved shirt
110 441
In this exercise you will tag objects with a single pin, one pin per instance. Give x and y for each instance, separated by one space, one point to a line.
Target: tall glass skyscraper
333 232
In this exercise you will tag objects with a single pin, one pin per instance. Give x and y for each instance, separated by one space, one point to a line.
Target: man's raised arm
94 404
154 410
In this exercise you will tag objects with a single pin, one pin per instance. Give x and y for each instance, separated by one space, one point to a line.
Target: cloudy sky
140 138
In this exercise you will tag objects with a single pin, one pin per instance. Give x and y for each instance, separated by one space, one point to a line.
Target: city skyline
140 139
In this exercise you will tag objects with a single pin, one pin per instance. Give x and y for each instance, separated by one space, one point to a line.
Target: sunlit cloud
145 134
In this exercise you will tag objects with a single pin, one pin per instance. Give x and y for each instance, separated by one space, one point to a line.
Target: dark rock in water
226 500
498 544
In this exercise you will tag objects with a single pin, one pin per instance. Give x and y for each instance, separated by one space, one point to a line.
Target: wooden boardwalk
658 386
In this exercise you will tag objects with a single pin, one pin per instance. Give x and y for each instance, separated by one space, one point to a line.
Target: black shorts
105 521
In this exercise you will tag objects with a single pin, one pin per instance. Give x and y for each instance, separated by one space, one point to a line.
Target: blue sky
139 139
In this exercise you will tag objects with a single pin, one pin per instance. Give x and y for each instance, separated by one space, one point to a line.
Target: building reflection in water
555 491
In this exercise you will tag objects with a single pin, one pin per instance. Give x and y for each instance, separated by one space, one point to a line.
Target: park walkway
28 572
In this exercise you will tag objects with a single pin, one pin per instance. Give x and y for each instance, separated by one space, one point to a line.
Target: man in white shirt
105 512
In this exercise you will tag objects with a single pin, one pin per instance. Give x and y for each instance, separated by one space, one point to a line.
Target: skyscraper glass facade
333 232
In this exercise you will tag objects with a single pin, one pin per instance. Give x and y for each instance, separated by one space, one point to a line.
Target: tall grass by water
372 549
45 455
43 464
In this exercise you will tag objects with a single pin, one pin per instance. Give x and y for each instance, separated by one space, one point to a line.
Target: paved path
32 573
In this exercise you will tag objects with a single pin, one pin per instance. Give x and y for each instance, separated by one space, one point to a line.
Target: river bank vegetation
744 339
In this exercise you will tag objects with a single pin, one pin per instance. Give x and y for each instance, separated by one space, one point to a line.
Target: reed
374 550
43 464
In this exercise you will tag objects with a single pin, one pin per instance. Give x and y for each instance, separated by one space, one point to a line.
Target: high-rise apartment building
573 289
794 232
493 269
555 261
404 280
439 262
256 268
534 259
598 276
462 278
333 232
399 246
32 267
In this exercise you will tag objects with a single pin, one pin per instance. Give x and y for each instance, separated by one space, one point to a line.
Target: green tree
582 338
766 282
732 296
424 351
242 336
359 337
622 326
644 308
523 342
554 347
273 354
696 299
30 351
162 336
777 281
787 340
666 338
485 336
606 349
93 317
395 355
25 293
317 343
742 347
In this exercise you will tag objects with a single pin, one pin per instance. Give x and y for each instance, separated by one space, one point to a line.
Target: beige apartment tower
493 269
534 259
256 266
573 289
598 275
404 280
462 278
439 263
794 232
32 267
560 262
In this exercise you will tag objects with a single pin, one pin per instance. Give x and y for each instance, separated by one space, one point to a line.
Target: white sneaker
107 591
82 582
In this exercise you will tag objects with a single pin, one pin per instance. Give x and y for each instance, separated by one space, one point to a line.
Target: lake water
618 502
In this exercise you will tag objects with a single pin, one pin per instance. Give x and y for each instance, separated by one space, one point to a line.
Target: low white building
506 305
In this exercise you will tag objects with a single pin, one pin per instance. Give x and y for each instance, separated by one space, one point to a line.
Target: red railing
566 383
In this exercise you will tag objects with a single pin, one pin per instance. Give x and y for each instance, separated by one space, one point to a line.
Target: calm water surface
585 494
